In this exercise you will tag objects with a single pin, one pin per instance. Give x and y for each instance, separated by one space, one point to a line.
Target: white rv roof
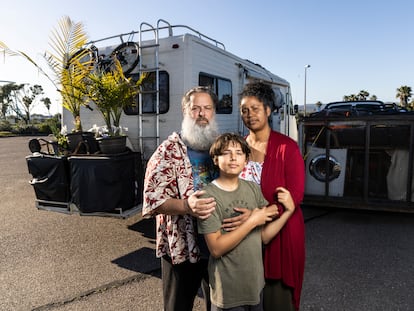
165 30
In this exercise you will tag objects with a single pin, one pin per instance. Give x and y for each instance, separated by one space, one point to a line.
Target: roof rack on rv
158 28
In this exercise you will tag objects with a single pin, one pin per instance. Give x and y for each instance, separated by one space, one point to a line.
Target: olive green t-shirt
236 279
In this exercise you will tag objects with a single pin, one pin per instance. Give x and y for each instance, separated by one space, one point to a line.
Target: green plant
70 71
111 92
56 129
5 126
44 128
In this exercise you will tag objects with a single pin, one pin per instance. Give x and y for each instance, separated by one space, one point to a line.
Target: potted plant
111 92
70 69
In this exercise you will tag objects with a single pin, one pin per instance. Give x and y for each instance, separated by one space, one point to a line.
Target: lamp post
304 98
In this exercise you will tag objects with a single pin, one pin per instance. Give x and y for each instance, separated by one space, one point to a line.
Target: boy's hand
260 216
273 211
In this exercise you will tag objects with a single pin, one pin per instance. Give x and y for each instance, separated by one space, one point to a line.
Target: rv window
149 96
279 99
222 87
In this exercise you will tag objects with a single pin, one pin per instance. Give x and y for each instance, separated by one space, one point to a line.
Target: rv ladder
153 47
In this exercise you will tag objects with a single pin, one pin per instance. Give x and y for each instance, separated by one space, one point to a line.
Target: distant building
39 117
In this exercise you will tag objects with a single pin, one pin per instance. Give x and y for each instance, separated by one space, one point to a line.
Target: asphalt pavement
356 260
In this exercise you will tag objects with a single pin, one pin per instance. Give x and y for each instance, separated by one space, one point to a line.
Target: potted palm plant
111 92
70 69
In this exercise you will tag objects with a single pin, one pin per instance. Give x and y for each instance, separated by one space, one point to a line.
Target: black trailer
359 158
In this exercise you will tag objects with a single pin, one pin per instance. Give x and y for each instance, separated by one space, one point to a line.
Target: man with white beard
175 173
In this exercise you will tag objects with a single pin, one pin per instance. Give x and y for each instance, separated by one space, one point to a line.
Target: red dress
285 254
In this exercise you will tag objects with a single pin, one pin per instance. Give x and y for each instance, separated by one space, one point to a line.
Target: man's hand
200 208
230 224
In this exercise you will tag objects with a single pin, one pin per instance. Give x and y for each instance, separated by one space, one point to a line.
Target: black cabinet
51 181
104 183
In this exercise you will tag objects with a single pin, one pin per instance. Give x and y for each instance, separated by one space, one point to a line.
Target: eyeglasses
198 109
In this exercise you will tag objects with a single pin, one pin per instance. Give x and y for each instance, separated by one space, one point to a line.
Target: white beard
198 137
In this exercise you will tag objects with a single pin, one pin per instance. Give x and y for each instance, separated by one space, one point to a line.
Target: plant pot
74 139
82 143
90 141
112 144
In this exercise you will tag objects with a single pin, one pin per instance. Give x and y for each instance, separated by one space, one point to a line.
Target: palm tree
318 105
404 94
46 101
351 97
363 95
69 71
411 105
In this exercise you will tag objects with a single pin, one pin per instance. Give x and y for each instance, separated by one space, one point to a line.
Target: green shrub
25 129
5 126
44 128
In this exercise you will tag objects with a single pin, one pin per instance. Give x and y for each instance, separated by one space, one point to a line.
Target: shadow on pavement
142 260
146 227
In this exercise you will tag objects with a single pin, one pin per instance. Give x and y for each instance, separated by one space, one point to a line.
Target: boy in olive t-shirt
235 265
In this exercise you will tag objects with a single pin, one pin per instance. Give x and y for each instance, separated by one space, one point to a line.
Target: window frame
225 105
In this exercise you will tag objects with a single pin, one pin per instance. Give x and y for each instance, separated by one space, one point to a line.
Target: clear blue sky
351 45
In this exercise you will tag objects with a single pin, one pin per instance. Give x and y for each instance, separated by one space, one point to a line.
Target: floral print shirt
252 171
169 175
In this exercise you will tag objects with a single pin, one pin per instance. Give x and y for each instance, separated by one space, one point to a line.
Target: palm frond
6 50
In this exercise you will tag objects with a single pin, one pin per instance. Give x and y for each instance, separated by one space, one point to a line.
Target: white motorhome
176 58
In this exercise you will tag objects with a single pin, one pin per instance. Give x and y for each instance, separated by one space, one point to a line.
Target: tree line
19 100
404 94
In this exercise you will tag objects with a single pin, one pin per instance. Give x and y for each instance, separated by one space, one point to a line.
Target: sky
350 45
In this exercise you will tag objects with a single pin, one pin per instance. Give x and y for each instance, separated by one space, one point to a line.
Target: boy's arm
232 223
220 244
271 229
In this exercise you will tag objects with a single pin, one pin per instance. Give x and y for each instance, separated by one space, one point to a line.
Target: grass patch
6 134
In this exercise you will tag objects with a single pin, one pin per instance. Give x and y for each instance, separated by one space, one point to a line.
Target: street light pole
304 98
